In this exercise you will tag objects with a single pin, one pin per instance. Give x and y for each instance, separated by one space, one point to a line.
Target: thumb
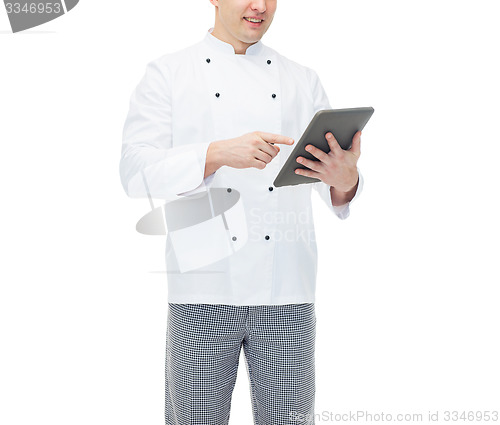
356 144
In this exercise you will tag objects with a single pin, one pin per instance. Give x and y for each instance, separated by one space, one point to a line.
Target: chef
224 114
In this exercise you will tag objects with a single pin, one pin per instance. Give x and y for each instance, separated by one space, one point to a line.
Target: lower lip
254 24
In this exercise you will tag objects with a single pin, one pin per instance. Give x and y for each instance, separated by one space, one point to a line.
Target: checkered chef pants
202 355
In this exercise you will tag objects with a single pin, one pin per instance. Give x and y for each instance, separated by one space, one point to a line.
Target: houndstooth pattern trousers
202 355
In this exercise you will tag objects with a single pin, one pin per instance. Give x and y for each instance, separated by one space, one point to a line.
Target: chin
255 35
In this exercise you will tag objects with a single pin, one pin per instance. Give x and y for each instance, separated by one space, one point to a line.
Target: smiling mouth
254 21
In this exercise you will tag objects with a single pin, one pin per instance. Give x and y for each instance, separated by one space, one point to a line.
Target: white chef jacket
204 93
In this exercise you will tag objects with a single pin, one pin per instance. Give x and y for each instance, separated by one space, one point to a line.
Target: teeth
254 20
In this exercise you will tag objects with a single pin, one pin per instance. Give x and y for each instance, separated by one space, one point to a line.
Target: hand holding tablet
342 123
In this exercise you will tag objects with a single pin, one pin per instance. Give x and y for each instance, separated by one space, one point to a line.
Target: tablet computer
343 123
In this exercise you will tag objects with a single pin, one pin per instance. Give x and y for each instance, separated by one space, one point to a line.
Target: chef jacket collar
223 47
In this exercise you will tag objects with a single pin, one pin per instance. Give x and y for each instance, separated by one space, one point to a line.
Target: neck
239 46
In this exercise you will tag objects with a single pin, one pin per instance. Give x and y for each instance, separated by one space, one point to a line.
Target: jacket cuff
178 174
206 183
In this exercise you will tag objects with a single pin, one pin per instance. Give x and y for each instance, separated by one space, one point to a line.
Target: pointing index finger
275 138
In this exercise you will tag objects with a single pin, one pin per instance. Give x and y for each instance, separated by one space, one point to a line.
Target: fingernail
329 135
290 140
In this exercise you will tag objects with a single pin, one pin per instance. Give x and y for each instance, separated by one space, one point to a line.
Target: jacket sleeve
321 102
150 166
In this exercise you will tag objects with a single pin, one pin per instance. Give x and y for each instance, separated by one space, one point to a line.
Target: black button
208 60
274 96
234 238
267 237
229 189
217 94
269 62
270 189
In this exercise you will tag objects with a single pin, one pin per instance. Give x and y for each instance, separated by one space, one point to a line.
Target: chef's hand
336 168
256 149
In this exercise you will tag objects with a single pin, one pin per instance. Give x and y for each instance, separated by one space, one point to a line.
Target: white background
407 294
